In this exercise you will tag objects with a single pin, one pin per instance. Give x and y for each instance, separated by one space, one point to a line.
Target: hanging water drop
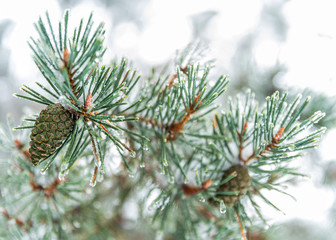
64 166
98 164
120 118
165 163
142 165
172 179
61 176
151 207
159 235
93 183
132 154
291 147
43 171
100 177
76 224
222 208
131 175
202 199
154 205
145 147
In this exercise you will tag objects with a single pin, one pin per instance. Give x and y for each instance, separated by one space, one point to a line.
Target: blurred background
262 45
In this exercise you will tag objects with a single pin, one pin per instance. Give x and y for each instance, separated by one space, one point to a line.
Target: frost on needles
205 166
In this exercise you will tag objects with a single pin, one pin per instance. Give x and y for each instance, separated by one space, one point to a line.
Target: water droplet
131 175
163 172
145 147
100 177
76 224
61 176
98 164
142 164
222 207
88 191
132 154
154 205
64 166
291 147
202 199
93 183
172 179
159 235
165 163
43 171
121 118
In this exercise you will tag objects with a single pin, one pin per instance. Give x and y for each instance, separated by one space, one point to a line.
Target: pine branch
89 93
243 129
209 177
33 189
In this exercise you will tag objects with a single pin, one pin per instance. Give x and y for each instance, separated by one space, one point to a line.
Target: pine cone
241 183
51 129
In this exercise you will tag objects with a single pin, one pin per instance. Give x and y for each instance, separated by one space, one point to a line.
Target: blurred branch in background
7 84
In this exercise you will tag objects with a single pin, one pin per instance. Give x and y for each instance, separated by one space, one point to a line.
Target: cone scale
241 184
52 127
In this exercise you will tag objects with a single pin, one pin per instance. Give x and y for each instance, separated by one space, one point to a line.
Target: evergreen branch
165 120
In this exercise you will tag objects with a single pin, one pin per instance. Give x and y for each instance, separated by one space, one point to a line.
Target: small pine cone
241 183
51 129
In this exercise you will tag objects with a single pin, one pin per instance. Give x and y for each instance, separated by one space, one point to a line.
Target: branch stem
241 226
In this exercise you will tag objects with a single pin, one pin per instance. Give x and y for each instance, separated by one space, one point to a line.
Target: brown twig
87 79
174 76
241 227
149 121
94 147
125 76
241 142
94 176
18 221
255 234
20 147
70 73
275 140
88 102
193 190
171 81
175 128
47 191
214 122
